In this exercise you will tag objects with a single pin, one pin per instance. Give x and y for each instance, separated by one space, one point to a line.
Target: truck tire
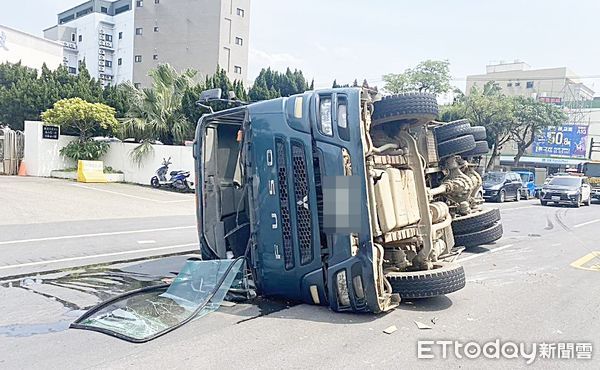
481 148
452 129
475 221
411 106
457 145
485 236
444 278
478 132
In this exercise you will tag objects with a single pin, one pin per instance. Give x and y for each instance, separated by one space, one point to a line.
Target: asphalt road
49 224
521 289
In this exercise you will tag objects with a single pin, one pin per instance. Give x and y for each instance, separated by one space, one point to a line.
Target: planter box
72 175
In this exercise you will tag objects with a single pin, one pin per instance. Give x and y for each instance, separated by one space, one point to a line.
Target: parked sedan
570 190
501 186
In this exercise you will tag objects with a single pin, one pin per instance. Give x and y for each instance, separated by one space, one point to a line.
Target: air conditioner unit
101 69
100 57
101 52
65 59
101 31
109 44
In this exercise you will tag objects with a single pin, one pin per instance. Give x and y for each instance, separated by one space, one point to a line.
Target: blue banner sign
567 141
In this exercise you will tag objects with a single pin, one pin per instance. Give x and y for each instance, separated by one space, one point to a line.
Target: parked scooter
178 179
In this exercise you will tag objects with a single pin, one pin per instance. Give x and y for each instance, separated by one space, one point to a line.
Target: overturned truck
342 198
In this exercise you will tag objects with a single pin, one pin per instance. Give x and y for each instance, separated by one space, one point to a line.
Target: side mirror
208 95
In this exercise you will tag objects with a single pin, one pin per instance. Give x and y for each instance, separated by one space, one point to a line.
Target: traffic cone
22 169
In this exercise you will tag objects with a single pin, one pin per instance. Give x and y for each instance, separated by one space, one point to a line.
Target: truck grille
304 224
284 204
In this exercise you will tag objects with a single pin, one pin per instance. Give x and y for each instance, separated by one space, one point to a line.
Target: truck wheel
475 221
412 106
455 146
543 202
444 278
452 130
478 132
481 148
485 236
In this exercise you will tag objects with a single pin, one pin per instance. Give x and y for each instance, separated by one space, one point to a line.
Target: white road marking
19 241
98 256
131 196
515 208
146 241
587 223
484 253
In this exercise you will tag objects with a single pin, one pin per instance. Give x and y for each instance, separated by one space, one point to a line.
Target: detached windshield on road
494 177
565 181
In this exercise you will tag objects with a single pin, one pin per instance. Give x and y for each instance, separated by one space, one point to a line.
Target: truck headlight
326 122
342 289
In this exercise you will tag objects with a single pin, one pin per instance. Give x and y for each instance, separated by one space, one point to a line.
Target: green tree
272 84
493 110
81 116
431 76
156 113
531 117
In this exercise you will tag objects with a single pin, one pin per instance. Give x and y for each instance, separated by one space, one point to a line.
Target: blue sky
347 39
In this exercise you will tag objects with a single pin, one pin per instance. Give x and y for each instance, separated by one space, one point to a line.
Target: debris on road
422 326
390 329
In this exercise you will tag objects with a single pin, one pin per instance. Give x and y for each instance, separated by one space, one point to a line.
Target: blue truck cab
328 208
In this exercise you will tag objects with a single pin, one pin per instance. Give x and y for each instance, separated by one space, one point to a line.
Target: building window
108 38
120 35
72 70
80 38
119 61
530 84
73 37
137 85
517 84
509 84
103 9
139 31
108 63
138 58
139 3
237 69
156 1
239 41
240 12
155 57
155 28
121 9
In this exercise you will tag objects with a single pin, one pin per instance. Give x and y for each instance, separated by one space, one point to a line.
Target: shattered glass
139 316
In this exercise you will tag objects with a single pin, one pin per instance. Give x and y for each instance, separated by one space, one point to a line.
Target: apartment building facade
552 85
122 40
31 51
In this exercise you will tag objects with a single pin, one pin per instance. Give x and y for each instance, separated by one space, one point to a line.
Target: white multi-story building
552 85
122 40
31 51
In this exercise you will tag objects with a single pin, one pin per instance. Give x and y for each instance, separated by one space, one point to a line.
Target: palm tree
156 113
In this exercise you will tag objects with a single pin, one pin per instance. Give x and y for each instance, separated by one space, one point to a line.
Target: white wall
42 156
119 158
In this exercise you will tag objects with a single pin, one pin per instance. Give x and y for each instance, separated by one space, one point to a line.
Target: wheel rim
502 196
